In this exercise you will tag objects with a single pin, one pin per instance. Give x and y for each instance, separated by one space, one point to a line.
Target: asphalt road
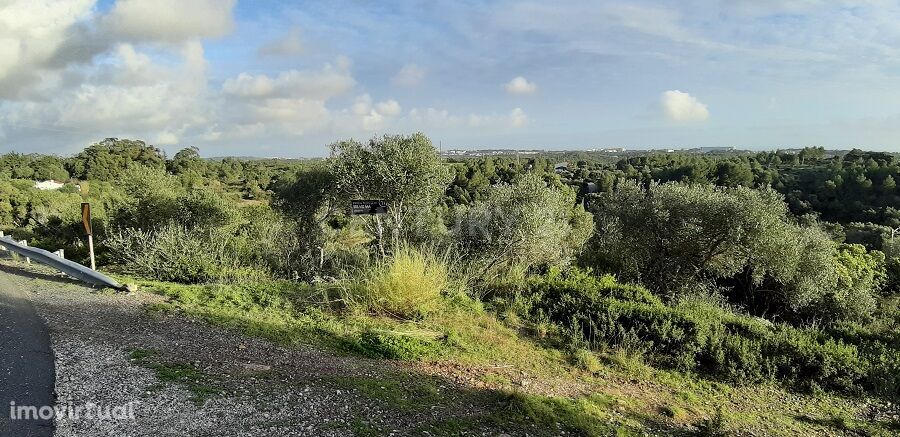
27 373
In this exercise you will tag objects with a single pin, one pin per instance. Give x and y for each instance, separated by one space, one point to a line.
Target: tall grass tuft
408 284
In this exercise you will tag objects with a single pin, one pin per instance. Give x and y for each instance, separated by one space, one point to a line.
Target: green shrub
586 360
674 236
525 224
698 336
395 345
407 285
715 426
585 416
173 253
879 344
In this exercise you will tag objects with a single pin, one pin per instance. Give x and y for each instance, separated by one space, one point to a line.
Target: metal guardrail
70 268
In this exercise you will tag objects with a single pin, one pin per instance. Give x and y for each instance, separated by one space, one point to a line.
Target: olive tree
404 170
523 224
673 237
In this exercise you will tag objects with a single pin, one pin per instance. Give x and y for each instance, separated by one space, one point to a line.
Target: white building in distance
48 185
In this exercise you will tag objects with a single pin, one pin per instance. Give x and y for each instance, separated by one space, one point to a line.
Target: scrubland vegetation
697 273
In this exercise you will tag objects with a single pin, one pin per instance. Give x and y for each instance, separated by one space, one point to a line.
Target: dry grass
407 285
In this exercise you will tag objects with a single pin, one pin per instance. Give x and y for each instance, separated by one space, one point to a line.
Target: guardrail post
25 243
2 249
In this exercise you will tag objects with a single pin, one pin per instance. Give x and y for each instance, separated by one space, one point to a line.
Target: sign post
86 221
372 207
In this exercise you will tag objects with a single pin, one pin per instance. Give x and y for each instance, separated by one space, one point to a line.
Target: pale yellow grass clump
408 284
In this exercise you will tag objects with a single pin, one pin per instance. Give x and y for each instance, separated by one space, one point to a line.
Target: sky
268 78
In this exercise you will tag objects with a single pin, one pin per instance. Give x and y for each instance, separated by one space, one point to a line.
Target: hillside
659 294
180 371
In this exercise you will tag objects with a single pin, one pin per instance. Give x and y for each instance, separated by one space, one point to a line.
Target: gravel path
266 389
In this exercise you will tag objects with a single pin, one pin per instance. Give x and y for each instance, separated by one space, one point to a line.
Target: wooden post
88 229
91 249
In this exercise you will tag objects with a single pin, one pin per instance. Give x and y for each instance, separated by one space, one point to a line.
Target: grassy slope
518 378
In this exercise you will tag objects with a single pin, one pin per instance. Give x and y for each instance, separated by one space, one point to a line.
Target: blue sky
274 78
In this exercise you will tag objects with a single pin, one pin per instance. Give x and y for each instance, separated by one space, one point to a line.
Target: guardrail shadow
32 273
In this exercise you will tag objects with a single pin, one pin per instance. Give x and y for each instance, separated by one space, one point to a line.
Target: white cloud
362 104
246 85
374 117
433 117
166 138
389 108
170 20
410 75
290 44
442 118
681 106
300 111
322 84
31 33
372 121
290 104
520 85
121 100
140 88
517 118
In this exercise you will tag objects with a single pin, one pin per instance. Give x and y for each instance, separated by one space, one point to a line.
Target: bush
859 275
205 209
407 285
176 254
522 225
698 336
674 237
398 346
586 360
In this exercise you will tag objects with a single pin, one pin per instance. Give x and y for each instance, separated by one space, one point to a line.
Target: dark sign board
86 217
362 207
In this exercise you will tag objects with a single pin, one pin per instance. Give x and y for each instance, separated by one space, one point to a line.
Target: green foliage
585 416
701 250
859 274
16 166
151 202
186 162
396 345
202 208
36 167
175 253
525 224
408 284
586 360
307 200
673 237
733 174
701 337
674 234
715 426
406 171
108 159
307 192
201 385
